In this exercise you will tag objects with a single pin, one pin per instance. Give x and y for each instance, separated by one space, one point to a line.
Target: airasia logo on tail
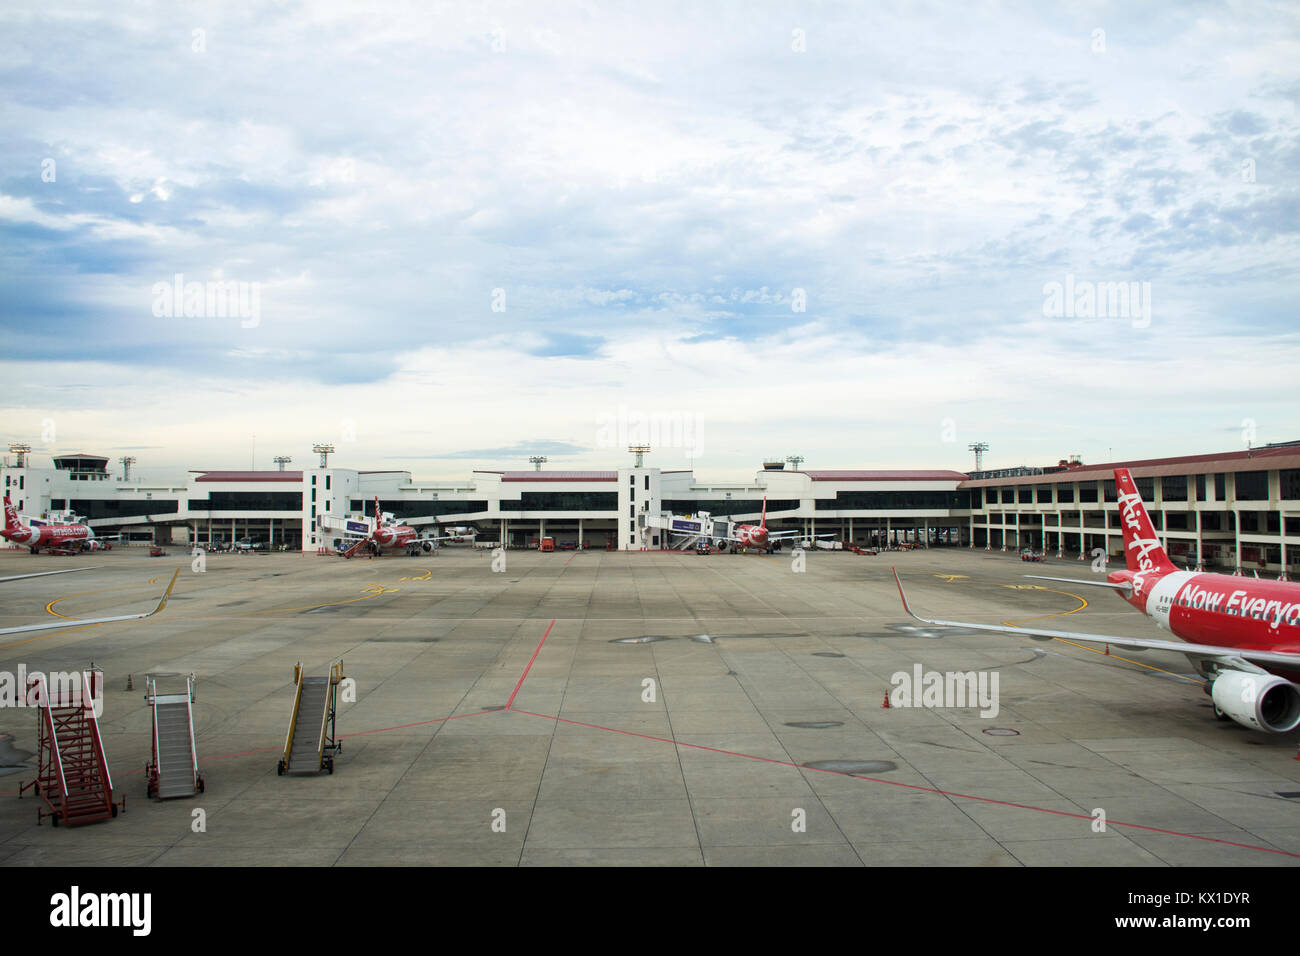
1135 517
14 529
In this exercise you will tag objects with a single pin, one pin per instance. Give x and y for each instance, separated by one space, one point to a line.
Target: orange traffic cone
886 705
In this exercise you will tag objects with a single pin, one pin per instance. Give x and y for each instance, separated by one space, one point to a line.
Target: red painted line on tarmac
910 786
522 677
571 557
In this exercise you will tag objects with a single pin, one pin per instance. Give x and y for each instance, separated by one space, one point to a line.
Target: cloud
641 193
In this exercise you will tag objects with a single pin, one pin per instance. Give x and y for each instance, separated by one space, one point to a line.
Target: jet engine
426 546
1257 701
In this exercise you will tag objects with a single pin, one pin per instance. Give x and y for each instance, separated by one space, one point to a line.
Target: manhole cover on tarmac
853 766
814 724
1001 732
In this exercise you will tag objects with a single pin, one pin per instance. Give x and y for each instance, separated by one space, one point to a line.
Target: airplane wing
1122 586
1135 643
779 535
41 574
70 622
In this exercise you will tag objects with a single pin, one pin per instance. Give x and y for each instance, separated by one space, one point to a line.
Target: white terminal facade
1235 509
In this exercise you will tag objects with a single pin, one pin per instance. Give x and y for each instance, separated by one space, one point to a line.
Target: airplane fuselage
751 536
49 535
394 536
1220 609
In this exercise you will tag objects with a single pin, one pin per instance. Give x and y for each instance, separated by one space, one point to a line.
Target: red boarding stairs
72 776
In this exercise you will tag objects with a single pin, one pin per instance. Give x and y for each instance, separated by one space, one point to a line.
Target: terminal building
1227 510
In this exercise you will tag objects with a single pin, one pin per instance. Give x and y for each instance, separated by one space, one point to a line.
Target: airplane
1241 634
760 537
54 538
385 534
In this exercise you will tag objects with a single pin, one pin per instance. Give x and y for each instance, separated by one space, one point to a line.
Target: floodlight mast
282 460
640 451
979 448
538 461
324 451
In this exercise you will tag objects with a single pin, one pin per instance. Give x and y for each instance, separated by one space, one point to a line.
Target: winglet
902 595
168 593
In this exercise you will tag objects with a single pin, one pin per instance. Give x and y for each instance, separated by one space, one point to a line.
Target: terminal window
1290 483
1252 486
1173 487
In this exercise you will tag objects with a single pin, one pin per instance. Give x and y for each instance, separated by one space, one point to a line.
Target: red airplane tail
379 518
762 521
11 516
1142 549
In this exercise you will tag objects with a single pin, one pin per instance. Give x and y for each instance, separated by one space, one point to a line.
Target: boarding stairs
311 743
174 769
72 778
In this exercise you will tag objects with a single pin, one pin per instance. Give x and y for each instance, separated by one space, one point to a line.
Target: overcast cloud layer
481 232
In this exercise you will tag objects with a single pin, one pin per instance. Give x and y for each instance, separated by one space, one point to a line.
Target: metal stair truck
174 769
311 745
72 777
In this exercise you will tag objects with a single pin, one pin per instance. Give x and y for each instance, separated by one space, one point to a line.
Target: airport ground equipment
311 744
72 777
174 769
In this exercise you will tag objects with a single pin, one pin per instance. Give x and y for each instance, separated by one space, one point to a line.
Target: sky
452 236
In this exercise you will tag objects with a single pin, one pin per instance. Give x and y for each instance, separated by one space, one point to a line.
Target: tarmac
642 709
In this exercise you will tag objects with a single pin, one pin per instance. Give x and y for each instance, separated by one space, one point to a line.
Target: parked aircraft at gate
383 533
761 537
